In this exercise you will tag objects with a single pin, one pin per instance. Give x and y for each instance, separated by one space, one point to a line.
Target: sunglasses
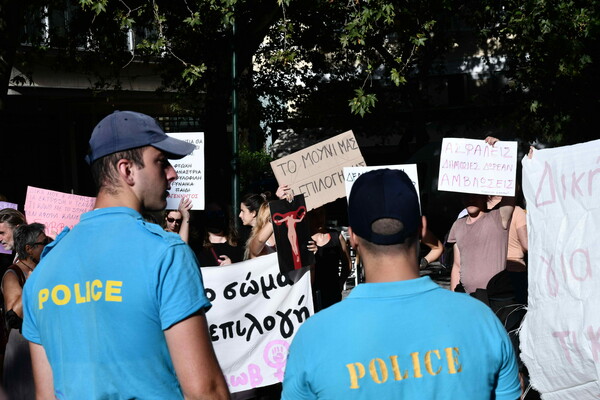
43 242
171 220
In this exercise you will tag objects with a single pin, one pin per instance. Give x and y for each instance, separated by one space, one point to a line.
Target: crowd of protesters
157 346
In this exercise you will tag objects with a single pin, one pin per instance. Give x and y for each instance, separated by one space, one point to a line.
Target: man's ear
28 249
125 170
352 236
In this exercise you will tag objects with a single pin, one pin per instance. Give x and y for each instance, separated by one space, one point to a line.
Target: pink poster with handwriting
56 210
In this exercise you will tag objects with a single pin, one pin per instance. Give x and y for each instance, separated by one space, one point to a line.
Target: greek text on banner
255 313
316 171
560 336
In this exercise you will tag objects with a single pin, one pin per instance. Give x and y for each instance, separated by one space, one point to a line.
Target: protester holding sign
178 221
480 241
332 260
262 240
378 343
255 212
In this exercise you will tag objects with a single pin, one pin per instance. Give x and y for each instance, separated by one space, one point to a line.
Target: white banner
560 336
190 172
351 174
473 166
256 311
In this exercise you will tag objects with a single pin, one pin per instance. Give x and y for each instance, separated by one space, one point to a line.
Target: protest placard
190 173
351 174
292 233
560 336
256 311
473 166
54 209
316 171
5 204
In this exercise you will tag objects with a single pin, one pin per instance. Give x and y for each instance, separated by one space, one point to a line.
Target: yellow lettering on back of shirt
357 371
66 295
113 291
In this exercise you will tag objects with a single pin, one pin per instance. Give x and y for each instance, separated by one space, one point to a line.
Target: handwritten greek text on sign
255 314
190 173
316 171
560 337
351 174
54 209
473 166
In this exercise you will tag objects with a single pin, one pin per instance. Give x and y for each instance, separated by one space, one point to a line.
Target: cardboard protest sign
55 210
255 314
3 205
316 171
292 233
560 336
351 174
190 173
473 166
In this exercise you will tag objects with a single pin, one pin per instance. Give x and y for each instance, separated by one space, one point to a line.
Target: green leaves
362 102
192 73
397 78
194 20
98 6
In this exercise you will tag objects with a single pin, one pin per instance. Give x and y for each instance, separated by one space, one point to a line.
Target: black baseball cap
125 130
384 193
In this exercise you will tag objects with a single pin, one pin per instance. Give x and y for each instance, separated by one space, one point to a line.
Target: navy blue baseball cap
384 193
125 130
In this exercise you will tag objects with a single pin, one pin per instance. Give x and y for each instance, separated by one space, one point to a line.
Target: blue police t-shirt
101 298
402 340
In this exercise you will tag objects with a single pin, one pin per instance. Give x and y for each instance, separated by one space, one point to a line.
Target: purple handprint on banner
275 356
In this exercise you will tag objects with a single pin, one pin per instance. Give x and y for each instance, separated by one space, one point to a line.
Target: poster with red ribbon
292 233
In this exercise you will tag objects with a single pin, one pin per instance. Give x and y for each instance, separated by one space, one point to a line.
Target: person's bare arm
506 207
455 274
42 373
194 359
12 292
522 235
257 244
185 205
435 245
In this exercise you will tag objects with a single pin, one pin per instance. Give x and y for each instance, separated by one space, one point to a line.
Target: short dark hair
388 226
26 235
12 217
104 169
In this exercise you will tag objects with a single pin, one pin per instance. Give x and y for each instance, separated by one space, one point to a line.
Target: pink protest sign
473 166
55 209
5 204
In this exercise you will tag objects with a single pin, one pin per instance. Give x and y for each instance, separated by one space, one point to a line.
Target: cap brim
174 148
